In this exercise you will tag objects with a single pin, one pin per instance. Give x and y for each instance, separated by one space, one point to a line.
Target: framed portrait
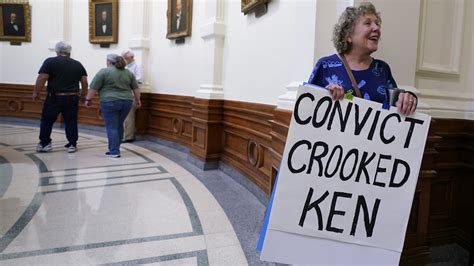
180 15
15 23
103 21
249 5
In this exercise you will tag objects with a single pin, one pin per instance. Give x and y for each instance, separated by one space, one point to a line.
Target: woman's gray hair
128 52
116 60
347 21
62 48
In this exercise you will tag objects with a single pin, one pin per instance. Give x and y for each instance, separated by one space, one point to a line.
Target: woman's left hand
406 103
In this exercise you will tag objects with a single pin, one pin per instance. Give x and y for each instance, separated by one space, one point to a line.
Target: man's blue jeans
114 113
67 106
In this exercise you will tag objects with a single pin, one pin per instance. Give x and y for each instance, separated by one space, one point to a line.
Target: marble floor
149 206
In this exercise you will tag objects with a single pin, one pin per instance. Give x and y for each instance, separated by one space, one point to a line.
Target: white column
67 27
213 34
287 100
59 24
139 42
327 14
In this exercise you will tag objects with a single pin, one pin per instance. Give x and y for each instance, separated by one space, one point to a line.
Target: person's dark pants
52 107
114 113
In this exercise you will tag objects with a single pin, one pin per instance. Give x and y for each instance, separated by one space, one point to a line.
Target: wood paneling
281 120
167 117
207 130
452 201
16 101
251 138
247 143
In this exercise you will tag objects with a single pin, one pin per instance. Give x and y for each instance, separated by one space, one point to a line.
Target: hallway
84 208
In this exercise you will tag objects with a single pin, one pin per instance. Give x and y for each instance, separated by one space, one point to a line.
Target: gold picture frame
103 21
179 25
15 22
248 6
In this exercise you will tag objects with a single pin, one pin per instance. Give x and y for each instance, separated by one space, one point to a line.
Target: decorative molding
287 100
215 92
139 43
443 104
14 105
454 50
213 30
447 95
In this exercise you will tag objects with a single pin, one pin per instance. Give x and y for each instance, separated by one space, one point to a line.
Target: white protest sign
346 182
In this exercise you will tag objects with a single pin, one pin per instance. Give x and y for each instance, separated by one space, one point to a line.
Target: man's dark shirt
108 29
9 30
64 73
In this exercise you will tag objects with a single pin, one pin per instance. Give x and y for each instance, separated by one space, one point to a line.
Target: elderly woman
116 86
356 36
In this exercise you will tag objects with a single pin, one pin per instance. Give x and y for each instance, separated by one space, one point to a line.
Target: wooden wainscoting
246 141
251 137
167 117
207 130
452 200
16 101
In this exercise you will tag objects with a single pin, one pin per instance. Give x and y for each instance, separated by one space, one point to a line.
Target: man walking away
63 75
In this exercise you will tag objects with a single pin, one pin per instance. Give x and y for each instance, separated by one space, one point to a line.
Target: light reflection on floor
85 208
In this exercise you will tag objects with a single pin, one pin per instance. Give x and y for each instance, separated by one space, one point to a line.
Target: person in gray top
116 87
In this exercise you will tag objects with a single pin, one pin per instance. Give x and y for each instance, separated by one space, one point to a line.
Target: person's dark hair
347 21
116 60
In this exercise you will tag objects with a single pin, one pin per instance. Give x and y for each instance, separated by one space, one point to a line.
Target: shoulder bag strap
351 76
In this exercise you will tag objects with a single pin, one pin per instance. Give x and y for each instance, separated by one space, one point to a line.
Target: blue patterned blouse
372 82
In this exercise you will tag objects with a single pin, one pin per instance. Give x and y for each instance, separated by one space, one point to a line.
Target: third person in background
137 71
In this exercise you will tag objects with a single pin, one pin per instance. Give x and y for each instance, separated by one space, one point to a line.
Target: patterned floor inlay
60 208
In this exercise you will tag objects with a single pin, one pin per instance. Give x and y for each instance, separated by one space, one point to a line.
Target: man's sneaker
71 149
108 154
46 148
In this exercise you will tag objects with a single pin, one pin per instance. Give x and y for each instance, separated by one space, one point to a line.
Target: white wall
446 60
92 56
398 45
20 64
327 15
176 68
263 55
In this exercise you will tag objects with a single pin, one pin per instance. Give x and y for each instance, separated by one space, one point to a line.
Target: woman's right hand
336 91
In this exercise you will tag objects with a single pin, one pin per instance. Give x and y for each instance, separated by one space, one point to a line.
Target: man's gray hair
63 48
129 53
